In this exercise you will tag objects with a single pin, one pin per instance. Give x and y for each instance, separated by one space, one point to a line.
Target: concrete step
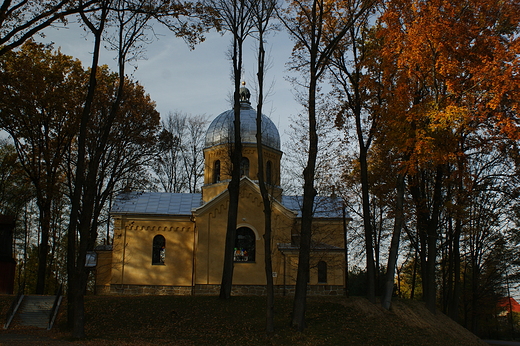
35 311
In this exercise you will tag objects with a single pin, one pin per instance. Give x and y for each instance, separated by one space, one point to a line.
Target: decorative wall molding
135 227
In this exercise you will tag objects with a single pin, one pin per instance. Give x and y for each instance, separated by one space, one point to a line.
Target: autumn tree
130 21
40 108
131 143
15 189
449 71
76 272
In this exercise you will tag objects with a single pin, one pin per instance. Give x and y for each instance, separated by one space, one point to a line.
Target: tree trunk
234 184
427 223
73 279
75 308
394 247
309 192
369 240
453 303
78 303
345 242
227 272
43 250
269 316
431 297
414 275
429 281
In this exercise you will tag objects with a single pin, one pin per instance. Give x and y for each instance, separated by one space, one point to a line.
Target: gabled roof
509 304
182 204
243 181
156 203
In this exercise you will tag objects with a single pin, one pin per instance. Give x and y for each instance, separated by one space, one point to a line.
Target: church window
245 242
158 250
216 171
322 272
268 172
244 167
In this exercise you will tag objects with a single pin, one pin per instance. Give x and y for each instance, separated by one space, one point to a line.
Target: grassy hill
186 320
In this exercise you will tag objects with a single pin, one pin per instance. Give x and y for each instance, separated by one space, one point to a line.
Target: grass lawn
203 320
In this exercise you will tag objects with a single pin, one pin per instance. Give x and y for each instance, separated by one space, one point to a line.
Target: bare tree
21 19
179 163
262 13
128 21
317 27
347 65
235 17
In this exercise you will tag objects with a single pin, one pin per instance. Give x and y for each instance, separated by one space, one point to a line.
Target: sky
195 81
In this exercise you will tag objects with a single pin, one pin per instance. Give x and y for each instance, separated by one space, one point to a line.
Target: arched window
322 272
269 173
216 171
245 242
158 253
244 167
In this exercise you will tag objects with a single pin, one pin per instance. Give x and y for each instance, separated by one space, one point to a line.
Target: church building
173 243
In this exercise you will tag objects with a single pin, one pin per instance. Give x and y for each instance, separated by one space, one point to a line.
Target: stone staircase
36 311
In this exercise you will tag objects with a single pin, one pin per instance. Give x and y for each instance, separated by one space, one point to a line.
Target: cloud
192 81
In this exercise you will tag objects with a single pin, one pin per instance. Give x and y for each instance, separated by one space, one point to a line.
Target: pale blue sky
195 81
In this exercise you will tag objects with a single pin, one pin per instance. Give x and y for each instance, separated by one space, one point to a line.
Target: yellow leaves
451 117
39 88
447 68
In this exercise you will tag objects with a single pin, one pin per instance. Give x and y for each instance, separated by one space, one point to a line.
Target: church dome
221 129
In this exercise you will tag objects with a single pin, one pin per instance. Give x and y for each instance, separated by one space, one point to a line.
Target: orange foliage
447 68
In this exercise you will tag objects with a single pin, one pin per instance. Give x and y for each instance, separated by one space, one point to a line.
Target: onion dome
221 129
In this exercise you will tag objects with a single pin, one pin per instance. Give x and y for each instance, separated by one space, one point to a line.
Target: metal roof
165 203
221 129
315 247
324 206
158 203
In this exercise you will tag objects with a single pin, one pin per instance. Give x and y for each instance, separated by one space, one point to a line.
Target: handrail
15 305
55 306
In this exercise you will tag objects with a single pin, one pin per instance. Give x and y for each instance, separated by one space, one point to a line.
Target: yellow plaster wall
221 152
212 154
328 232
335 269
133 237
104 268
133 242
213 190
211 229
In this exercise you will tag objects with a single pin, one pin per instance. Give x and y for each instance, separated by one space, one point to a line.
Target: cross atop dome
245 95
